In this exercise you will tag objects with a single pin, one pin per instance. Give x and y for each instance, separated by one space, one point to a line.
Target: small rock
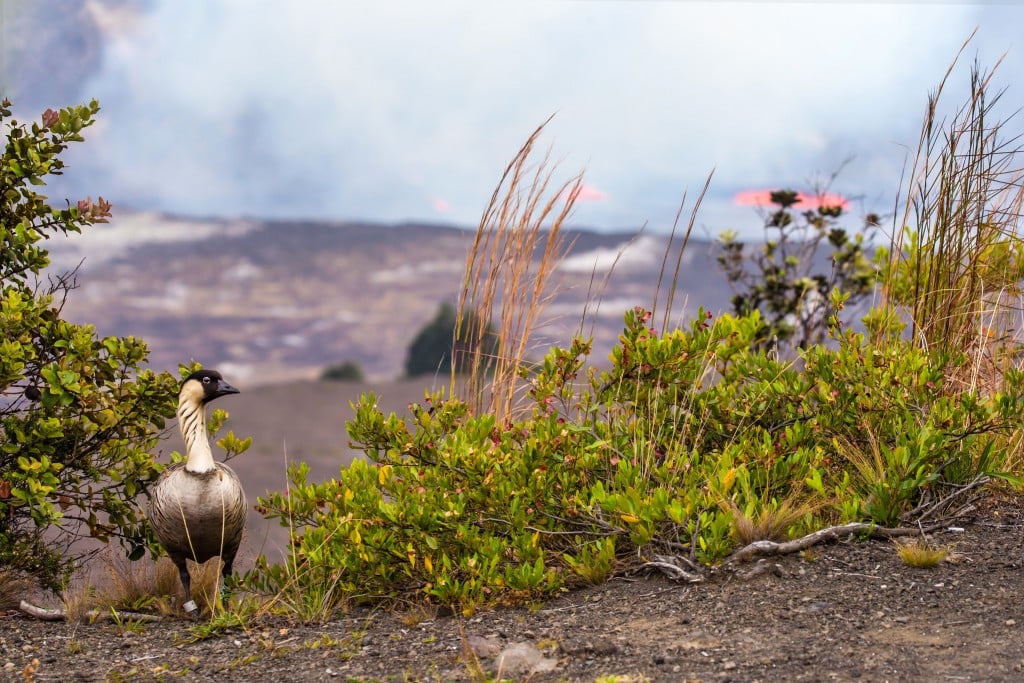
1010 622
523 658
484 647
729 666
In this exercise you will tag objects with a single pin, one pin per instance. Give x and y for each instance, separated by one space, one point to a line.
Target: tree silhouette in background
432 349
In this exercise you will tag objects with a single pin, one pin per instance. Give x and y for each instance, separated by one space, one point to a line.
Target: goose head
203 386
197 390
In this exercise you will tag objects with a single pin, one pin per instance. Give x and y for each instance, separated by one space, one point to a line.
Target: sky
409 111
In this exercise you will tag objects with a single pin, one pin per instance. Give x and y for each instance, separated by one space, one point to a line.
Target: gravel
845 611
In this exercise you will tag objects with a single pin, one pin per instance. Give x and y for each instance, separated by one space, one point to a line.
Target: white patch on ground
645 252
99 244
410 272
241 271
606 308
174 298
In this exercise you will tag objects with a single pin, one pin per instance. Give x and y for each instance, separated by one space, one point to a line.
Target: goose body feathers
197 507
199 515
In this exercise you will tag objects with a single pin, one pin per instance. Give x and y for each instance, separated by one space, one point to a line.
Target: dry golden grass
921 553
957 250
957 237
115 583
510 269
770 521
14 588
508 278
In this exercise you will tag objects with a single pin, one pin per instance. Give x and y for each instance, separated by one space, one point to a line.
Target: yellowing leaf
428 564
383 473
630 519
729 479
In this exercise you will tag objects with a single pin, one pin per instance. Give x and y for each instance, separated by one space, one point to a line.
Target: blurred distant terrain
272 303
267 301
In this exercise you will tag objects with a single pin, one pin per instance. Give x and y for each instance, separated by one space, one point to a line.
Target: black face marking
213 383
205 376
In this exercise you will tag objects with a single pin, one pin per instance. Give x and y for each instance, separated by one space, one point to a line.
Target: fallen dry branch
673 568
832 533
44 614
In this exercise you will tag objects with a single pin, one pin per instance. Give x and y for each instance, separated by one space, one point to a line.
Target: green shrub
349 371
79 415
686 431
781 278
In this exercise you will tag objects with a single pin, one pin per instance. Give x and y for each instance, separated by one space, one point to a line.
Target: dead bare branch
44 614
832 533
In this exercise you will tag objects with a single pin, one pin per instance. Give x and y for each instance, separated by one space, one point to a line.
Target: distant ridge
280 299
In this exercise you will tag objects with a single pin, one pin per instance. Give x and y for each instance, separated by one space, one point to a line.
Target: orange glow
804 200
587 193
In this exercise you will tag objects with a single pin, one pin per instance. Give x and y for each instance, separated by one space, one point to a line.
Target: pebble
523 658
484 647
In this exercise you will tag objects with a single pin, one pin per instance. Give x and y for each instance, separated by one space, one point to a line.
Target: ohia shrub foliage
79 414
687 431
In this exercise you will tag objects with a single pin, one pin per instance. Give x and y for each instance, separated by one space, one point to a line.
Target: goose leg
186 582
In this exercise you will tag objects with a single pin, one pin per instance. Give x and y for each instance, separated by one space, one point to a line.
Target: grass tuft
921 553
956 259
14 588
768 522
509 275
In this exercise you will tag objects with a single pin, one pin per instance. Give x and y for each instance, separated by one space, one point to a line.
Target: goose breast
198 514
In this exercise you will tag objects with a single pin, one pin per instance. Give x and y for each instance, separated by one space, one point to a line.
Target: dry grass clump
119 584
14 587
957 241
769 522
508 278
921 553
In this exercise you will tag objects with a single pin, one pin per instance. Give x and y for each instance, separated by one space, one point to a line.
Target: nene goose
197 508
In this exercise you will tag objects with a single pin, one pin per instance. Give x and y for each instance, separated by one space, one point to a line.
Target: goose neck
192 420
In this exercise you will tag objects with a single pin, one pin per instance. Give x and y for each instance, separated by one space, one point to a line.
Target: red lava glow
803 200
587 193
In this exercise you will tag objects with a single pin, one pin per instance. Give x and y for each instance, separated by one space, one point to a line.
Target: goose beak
223 389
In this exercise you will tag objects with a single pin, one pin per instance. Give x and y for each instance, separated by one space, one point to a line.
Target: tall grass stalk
516 251
957 247
672 285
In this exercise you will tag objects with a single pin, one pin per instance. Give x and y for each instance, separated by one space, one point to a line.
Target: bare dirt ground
846 611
